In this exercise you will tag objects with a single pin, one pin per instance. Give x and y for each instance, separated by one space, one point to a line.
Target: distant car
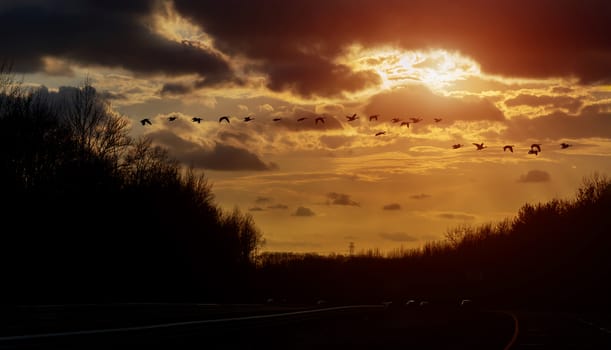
466 304
411 303
424 304
321 302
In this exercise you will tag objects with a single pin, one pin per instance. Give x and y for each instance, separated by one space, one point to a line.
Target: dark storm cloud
398 237
535 176
106 33
334 198
218 157
509 37
303 211
392 206
570 103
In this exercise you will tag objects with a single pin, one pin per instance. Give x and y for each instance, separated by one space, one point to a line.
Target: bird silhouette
480 146
352 118
415 120
508 147
405 123
437 120
172 118
380 133
320 119
395 120
537 146
302 119
249 118
277 119
373 117
457 145
533 151
565 145
196 120
146 121
225 118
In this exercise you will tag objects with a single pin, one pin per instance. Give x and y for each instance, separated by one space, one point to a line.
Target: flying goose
537 146
395 120
565 145
415 120
405 123
533 151
249 118
480 146
508 147
172 118
196 120
380 133
352 118
146 121
320 119
437 120
373 117
457 145
277 119
302 119
225 117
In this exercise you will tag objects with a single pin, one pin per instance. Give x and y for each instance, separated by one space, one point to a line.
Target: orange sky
501 73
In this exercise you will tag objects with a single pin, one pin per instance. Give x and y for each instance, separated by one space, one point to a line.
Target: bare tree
96 128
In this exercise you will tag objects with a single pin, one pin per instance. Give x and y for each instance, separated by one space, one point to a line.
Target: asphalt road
159 326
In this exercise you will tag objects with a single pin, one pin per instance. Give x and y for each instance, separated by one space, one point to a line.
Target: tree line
92 214
550 255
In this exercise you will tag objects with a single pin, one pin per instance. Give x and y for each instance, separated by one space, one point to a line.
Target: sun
397 67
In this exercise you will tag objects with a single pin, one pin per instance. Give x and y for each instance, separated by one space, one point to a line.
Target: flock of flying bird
535 148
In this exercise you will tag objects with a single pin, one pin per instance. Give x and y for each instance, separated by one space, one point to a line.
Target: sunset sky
507 72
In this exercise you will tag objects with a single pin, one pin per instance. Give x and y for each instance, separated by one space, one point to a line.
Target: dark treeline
551 255
92 215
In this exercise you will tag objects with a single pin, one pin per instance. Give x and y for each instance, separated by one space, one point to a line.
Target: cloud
530 49
278 206
455 216
266 108
398 237
565 102
419 101
97 33
296 44
218 157
592 121
535 176
261 200
334 198
420 196
303 211
392 206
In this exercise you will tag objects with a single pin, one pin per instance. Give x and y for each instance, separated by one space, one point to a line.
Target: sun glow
397 67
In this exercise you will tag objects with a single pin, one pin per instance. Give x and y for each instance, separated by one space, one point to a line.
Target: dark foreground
191 326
